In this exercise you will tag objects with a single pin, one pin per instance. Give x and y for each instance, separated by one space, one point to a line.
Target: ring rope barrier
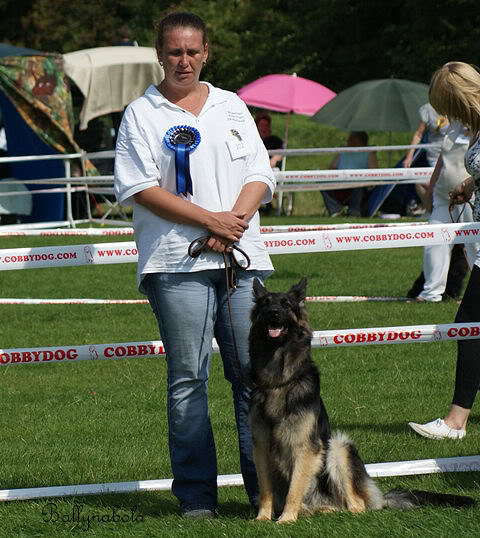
279 243
81 188
110 154
16 230
276 228
59 232
30 301
370 176
336 338
315 299
375 470
54 157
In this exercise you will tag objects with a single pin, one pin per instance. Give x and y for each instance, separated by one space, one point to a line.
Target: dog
301 467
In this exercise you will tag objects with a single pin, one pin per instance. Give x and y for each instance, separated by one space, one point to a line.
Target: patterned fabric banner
39 90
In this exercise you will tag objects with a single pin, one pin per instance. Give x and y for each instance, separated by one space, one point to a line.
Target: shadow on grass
149 503
155 505
469 481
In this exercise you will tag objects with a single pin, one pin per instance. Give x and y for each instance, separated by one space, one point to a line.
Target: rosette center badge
182 139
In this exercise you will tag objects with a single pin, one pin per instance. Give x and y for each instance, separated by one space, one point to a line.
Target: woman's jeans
191 309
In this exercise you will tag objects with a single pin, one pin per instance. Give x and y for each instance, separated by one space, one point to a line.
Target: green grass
105 421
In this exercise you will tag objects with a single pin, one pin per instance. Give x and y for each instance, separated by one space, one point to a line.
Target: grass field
105 421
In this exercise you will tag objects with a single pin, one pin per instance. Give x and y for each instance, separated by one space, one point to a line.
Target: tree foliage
335 42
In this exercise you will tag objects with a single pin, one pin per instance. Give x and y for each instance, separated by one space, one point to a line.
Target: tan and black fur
300 466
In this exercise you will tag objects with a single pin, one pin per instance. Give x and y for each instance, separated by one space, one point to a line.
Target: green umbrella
376 105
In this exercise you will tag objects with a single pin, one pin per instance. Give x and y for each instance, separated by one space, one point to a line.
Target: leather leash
450 207
231 264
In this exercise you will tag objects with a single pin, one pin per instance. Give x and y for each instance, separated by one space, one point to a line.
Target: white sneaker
437 429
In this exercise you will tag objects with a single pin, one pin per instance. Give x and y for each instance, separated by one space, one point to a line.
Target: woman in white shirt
190 160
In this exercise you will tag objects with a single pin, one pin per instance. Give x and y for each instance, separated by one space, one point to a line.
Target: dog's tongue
274 333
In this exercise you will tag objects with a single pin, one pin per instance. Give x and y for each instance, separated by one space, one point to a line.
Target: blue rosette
182 139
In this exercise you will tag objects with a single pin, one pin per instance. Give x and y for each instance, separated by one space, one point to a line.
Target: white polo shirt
220 166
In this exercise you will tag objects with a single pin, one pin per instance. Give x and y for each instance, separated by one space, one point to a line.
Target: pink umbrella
286 93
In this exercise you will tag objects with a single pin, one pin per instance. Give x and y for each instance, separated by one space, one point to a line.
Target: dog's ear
258 290
300 290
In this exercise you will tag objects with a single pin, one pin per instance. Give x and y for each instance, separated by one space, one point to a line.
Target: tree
334 42
65 25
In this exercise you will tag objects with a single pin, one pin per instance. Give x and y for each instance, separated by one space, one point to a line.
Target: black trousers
468 360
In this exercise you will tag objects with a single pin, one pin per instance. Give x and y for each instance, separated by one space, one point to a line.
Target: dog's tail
349 483
353 489
404 499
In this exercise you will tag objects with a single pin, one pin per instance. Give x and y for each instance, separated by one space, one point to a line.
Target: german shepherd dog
300 466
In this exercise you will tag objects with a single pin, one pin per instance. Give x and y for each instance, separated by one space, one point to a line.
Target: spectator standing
431 130
448 173
455 93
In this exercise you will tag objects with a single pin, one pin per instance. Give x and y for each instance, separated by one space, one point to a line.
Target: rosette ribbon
182 139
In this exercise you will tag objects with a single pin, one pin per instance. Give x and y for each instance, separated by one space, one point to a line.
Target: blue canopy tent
36 111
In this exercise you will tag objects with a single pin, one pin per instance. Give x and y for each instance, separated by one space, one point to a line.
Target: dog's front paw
264 515
263 518
287 517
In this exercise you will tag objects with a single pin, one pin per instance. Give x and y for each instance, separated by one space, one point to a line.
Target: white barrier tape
317 299
54 157
350 299
45 191
37 225
73 301
70 255
333 338
102 190
364 238
71 232
310 187
321 227
375 470
109 154
123 231
111 222
409 334
340 185
462 464
368 176
82 353
281 243
81 180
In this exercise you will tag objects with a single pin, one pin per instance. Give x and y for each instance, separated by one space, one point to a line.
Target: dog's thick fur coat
300 466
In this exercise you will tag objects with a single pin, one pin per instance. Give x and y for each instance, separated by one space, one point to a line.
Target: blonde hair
455 92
